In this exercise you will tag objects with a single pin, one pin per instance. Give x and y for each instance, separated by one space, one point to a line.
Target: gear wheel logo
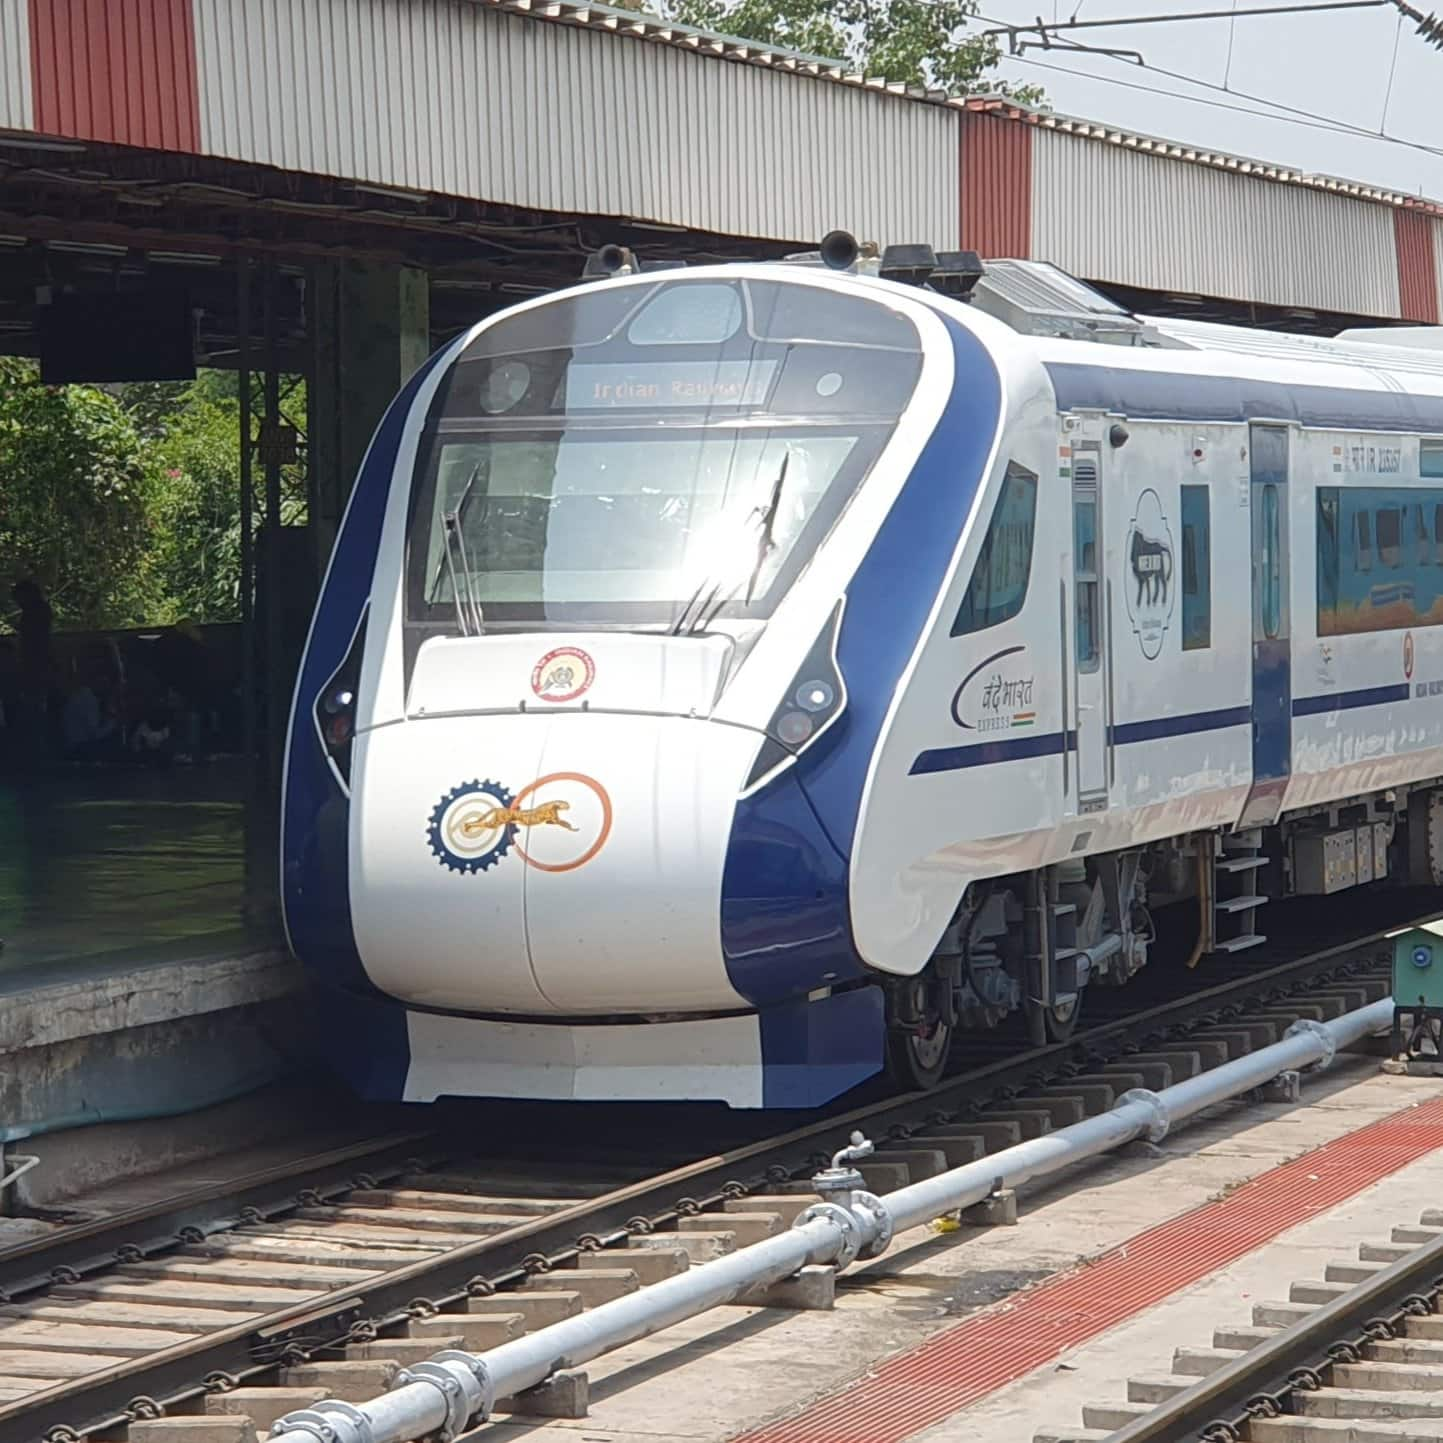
470 827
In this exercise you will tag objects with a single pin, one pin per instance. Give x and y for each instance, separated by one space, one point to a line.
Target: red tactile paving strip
914 1390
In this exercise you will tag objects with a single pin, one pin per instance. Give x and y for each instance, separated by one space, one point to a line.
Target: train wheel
1053 1024
917 1059
1061 1020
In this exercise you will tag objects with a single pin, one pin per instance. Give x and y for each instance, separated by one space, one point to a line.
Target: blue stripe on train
315 885
951 759
785 919
1348 700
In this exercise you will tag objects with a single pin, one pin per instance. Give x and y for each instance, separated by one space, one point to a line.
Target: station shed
331 188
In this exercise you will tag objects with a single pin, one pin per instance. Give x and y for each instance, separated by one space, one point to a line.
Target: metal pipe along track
456 1389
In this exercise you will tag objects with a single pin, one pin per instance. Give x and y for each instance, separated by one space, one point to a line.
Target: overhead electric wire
1003 28
1290 115
1392 72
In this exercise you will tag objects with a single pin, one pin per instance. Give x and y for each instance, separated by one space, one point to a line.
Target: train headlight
793 728
814 699
815 696
335 708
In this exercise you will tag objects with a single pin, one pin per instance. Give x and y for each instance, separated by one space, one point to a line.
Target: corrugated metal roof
16 105
1138 143
1417 271
996 187
469 99
643 27
122 71
1114 215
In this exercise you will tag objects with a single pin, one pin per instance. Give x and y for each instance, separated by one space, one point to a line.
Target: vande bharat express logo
563 675
556 824
996 695
1148 586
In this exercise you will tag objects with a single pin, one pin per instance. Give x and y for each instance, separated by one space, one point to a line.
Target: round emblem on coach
563 675
471 827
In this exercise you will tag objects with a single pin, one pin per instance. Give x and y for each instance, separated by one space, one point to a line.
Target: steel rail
151 1228
1259 1382
455 1390
98 1400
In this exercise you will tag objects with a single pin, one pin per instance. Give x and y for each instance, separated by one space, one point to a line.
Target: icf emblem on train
1149 587
563 675
556 824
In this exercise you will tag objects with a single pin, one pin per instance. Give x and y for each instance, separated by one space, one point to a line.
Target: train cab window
1271 561
1197 582
1430 458
999 580
1389 528
1363 539
613 456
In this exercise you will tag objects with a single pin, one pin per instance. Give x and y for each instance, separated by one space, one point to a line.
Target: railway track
1355 1356
326 1280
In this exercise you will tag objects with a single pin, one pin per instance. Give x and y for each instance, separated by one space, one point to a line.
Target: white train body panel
736 698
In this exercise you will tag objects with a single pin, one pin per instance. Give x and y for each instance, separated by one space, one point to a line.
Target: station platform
111 866
990 1335
135 981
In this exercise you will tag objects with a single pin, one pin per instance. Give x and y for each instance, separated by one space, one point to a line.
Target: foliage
917 42
198 513
123 503
76 500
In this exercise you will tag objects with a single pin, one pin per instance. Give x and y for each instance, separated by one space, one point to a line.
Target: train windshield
636 455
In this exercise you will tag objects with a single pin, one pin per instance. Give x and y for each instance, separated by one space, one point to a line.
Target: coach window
1430 458
1438 533
1363 537
1420 533
999 580
1197 580
1390 536
1272 607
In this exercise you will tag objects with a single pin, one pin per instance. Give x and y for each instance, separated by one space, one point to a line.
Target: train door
1089 640
1272 650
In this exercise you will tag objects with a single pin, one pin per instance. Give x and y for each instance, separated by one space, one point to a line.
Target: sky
1354 68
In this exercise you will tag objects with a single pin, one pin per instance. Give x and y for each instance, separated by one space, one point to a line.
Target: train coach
732 680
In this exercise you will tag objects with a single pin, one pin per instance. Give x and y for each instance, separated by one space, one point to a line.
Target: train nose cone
437 885
624 838
546 864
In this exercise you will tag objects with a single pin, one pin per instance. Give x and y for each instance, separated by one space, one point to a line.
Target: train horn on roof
838 250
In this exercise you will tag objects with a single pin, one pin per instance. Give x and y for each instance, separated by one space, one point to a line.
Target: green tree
76 494
194 433
197 457
916 42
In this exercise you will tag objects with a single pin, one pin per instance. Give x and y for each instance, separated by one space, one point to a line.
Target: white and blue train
729 679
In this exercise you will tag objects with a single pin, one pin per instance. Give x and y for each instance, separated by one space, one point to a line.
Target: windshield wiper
469 616
766 517
768 521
